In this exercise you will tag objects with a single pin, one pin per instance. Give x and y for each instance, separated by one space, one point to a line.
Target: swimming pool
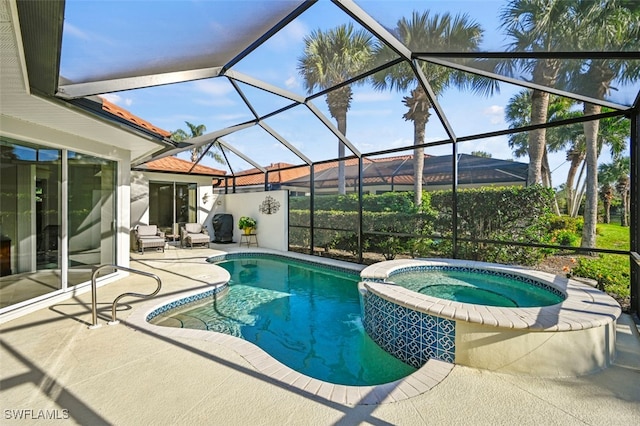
305 315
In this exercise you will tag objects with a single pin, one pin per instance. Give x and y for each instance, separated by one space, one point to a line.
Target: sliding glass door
92 214
172 203
57 219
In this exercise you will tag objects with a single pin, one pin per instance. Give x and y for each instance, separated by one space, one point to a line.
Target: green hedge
502 214
387 202
343 234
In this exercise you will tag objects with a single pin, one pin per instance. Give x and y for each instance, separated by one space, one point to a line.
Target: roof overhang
29 67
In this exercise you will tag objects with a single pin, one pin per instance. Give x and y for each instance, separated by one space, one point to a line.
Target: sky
106 36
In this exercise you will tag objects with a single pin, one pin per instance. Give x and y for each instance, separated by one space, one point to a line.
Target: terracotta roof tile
123 113
255 176
178 165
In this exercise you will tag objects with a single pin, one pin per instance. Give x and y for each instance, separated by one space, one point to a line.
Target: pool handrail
94 304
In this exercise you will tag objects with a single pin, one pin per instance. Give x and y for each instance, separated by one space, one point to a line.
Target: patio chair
148 236
194 233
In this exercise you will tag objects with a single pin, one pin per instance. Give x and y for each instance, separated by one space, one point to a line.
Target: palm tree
331 58
536 25
609 25
196 130
617 173
606 195
420 33
518 114
622 186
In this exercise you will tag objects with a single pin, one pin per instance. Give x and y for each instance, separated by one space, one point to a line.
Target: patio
68 73
54 365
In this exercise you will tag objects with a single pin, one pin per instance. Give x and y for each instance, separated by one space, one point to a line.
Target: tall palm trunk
547 181
418 104
539 108
576 156
338 102
606 195
622 186
419 125
546 73
591 129
579 192
342 127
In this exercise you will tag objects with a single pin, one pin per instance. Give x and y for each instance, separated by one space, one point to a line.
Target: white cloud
292 82
292 34
114 98
495 114
369 113
217 102
372 96
72 30
230 117
215 87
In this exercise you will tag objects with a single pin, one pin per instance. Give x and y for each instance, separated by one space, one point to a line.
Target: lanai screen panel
598 46
107 40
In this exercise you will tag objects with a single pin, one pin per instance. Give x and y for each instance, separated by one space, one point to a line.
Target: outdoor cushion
193 228
147 230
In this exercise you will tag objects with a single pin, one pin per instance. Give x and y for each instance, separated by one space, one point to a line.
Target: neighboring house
252 180
390 174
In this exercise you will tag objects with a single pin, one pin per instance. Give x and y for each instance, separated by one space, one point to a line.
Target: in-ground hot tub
574 336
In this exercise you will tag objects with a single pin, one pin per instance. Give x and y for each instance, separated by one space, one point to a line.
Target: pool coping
419 382
584 307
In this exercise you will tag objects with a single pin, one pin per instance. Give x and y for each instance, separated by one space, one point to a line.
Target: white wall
271 230
140 194
140 197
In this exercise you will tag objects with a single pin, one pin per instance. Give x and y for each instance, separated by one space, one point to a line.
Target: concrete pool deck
52 364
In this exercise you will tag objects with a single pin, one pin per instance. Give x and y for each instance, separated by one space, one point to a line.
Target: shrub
610 271
392 225
518 214
565 237
566 223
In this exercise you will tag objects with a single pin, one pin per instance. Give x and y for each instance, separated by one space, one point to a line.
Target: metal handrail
94 304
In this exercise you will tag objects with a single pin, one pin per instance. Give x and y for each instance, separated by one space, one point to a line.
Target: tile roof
256 177
123 113
166 164
178 165
437 171
292 173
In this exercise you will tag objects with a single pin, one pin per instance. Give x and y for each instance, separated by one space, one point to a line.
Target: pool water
476 288
305 316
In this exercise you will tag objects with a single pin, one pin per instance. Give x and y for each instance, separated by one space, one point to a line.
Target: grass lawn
613 236
612 271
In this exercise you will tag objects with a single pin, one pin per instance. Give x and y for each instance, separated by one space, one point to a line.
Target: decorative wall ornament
269 206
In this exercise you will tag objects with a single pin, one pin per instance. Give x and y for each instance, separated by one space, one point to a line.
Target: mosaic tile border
411 336
273 256
492 272
185 301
